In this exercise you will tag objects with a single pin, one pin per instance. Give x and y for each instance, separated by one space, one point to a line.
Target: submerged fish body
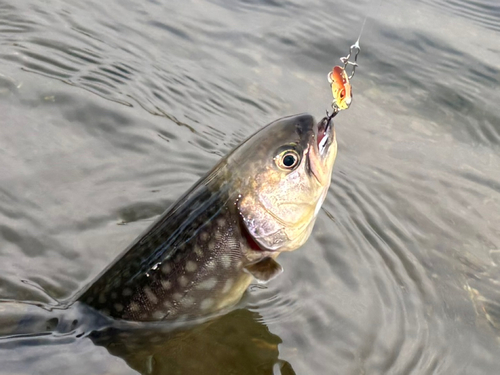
203 252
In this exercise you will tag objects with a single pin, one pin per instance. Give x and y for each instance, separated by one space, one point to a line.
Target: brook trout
203 252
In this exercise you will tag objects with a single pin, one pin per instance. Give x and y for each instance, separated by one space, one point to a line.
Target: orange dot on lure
341 88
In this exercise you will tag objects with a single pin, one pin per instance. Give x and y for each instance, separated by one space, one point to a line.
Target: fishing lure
341 88
339 80
340 76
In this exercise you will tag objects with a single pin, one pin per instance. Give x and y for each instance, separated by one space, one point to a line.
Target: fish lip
318 150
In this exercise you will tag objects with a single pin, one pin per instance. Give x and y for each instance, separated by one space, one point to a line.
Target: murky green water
110 110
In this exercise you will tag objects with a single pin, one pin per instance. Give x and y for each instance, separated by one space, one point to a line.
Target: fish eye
288 159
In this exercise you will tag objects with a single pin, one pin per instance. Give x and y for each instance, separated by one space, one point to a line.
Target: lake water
110 110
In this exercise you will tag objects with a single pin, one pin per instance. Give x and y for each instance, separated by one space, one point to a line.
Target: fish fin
264 270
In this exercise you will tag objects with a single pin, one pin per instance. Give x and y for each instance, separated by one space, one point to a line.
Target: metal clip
353 52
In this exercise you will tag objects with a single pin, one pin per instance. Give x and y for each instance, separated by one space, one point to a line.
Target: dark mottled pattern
194 248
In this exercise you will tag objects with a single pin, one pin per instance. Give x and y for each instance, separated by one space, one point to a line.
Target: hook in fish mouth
320 154
325 132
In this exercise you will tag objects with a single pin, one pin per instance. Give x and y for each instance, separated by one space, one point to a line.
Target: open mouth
325 134
320 159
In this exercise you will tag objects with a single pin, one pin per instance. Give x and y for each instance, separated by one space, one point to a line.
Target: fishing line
364 21
361 32
340 76
355 48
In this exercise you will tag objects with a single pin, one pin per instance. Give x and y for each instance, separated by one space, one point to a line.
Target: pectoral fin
264 270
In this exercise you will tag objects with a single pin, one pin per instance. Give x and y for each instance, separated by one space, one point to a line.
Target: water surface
112 109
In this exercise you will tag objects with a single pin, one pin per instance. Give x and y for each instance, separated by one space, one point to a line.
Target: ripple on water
483 12
416 60
398 285
120 106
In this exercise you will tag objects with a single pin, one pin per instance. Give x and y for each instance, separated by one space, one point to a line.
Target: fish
341 88
227 230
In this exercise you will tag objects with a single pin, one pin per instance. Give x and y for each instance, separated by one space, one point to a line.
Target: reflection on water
235 343
111 110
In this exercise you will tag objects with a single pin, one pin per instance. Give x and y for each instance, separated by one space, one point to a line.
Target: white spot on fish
166 284
150 295
183 281
177 296
198 251
168 305
210 265
204 236
134 307
207 284
221 222
191 266
118 307
207 303
226 261
211 246
188 302
218 236
166 268
227 286
127 292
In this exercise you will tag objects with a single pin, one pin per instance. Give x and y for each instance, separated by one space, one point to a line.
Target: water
111 110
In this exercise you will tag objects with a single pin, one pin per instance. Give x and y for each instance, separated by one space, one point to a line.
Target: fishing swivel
353 52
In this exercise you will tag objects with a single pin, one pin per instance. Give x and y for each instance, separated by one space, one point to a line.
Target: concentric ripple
112 109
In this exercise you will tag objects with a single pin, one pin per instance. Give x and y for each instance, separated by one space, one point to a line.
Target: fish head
341 88
284 173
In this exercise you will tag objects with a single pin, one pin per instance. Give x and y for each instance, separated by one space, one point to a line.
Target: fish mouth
318 153
324 134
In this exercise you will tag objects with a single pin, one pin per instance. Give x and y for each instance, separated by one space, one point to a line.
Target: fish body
341 87
202 253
